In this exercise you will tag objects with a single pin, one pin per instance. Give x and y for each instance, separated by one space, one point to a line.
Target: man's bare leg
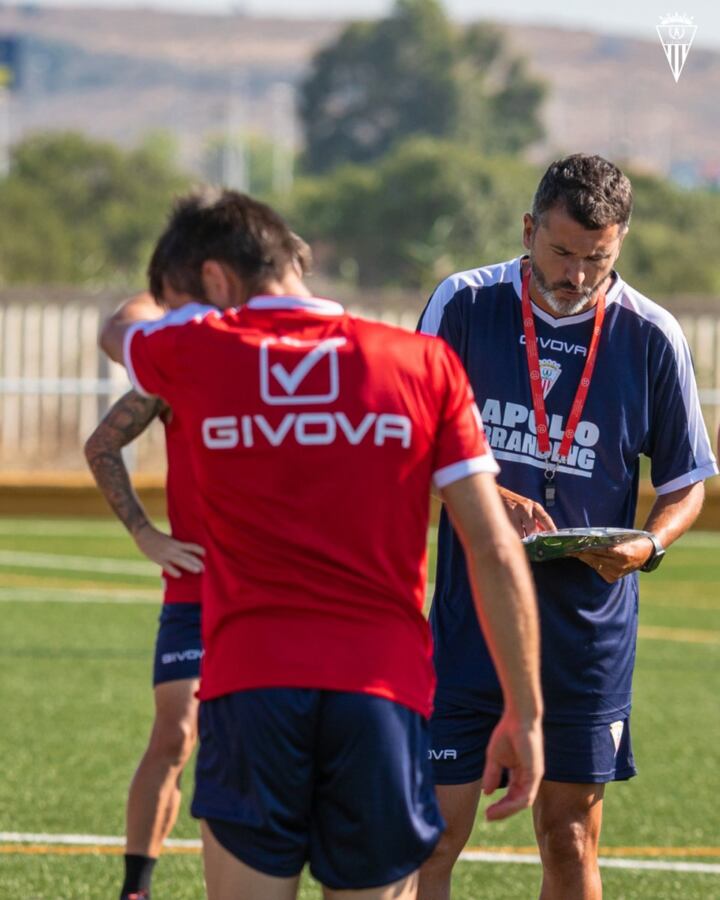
568 818
405 889
154 797
458 805
227 878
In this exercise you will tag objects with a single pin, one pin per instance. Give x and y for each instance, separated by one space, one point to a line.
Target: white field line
62 562
95 840
78 595
81 840
605 862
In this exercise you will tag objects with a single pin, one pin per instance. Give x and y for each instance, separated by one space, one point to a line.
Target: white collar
310 304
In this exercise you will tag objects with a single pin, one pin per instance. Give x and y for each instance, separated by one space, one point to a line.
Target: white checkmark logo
291 379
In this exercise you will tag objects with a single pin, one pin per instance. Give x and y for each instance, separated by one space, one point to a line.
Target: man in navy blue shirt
577 376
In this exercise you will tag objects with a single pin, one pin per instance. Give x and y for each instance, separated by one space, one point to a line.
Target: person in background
155 794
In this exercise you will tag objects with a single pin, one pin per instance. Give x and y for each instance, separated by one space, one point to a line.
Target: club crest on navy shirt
550 371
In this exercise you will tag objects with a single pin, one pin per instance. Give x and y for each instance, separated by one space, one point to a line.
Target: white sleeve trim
463 469
486 276
127 357
669 326
706 471
187 313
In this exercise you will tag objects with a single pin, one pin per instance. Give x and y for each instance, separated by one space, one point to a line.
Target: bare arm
526 516
141 307
670 517
127 419
506 607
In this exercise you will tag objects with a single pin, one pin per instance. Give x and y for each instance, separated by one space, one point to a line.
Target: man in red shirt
314 439
154 796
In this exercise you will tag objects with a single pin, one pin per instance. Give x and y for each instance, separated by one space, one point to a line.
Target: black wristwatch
656 557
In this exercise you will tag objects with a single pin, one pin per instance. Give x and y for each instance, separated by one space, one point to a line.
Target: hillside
119 73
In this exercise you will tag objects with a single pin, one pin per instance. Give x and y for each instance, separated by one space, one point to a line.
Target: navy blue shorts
342 780
178 648
579 754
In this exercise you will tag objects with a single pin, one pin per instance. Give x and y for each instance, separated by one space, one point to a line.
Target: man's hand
527 516
171 555
519 749
613 563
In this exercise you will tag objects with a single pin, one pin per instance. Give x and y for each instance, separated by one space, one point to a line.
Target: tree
78 211
429 208
426 209
414 73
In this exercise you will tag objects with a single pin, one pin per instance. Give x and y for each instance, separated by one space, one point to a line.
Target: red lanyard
533 359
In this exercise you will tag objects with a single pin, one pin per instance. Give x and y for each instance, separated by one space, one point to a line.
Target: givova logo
313 378
312 429
303 372
442 754
179 656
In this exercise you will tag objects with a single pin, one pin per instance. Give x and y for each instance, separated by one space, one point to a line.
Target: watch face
654 561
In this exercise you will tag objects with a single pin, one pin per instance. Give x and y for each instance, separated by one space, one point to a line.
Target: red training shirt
183 509
314 437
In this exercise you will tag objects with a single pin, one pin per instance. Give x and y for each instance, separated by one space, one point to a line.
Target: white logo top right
676 35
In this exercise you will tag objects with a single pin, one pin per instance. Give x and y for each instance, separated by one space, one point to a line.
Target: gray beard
559 307
564 307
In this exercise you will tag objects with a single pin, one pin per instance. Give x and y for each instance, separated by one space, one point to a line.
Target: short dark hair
232 228
173 249
592 190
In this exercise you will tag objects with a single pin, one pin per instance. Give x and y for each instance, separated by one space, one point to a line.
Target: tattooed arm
127 419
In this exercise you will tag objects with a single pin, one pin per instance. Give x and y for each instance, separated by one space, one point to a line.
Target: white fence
55 384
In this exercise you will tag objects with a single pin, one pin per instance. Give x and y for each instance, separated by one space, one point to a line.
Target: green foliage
671 248
79 211
261 160
413 73
426 209
500 101
429 208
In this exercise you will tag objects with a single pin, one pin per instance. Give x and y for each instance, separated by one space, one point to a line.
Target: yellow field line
103 850
14 579
682 635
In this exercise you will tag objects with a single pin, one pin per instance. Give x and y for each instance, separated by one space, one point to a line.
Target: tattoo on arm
125 420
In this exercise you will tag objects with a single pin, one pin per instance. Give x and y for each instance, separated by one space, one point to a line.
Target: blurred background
402 139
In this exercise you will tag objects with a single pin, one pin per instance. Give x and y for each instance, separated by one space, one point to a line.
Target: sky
630 17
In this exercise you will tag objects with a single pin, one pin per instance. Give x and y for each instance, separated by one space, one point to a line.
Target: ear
216 284
528 230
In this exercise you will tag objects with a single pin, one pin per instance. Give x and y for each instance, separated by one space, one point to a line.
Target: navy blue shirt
642 401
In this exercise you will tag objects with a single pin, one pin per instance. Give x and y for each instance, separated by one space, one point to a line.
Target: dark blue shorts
342 780
178 648
579 754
